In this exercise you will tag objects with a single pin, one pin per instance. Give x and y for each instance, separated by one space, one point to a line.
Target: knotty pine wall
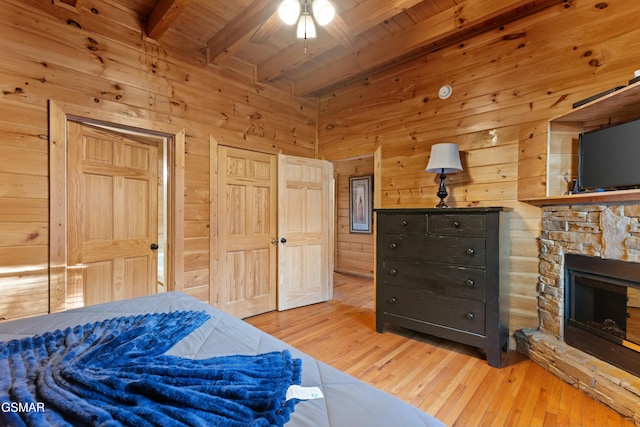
354 251
507 83
94 62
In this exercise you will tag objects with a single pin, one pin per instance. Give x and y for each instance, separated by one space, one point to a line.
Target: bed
344 400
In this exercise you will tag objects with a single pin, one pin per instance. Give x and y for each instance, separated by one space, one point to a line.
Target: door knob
283 240
154 247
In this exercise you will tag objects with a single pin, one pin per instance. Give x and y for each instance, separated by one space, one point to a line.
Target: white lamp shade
323 11
306 28
289 11
444 156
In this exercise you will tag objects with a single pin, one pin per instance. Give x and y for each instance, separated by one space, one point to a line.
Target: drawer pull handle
393 245
393 271
393 299
471 283
456 224
471 252
404 223
470 315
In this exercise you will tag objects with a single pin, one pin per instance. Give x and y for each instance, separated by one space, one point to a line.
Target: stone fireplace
610 232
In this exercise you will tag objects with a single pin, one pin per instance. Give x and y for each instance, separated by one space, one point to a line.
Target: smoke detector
445 92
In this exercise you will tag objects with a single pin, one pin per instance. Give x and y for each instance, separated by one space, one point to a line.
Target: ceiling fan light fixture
323 11
289 10
306 28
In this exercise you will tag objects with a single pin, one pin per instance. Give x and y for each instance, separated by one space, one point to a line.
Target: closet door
247 187
305 231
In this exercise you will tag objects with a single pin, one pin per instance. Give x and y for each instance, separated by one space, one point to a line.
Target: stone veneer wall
611 232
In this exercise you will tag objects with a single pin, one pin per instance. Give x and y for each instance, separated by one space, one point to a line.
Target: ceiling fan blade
338 29
266 29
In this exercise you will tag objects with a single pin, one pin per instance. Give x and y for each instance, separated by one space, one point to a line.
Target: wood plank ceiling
366 36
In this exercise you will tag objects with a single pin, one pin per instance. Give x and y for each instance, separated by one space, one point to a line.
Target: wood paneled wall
354 251
507 84
94 62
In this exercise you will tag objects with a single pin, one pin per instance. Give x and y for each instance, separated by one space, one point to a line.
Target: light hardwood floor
448 380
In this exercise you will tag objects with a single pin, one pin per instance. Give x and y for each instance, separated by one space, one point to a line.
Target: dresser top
445 210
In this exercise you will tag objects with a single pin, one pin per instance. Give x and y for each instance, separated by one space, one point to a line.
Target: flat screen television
609 158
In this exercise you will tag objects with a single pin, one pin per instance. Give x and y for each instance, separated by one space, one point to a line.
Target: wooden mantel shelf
602 197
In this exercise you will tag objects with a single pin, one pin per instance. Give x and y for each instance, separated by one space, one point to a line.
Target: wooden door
247 186
112 208
305 223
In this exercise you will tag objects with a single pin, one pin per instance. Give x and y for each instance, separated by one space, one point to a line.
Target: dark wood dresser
445 272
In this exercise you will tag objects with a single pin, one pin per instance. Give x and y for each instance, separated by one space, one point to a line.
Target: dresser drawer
465 251
454 225
402 223
457 313
439 278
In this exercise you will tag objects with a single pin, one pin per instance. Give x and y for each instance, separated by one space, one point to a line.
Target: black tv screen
609 158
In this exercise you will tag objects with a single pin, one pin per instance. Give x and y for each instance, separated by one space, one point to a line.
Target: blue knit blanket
116 373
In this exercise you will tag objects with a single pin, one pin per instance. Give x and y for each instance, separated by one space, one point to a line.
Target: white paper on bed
347 402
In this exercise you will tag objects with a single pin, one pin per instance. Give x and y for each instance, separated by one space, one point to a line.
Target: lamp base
442 191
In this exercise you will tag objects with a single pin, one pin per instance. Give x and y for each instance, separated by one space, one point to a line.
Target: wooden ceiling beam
361 18
460 19
241 28
163 15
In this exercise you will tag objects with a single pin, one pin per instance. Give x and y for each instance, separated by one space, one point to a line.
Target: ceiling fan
322 11
292 11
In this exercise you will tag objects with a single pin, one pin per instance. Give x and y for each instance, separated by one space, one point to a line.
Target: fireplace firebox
602 309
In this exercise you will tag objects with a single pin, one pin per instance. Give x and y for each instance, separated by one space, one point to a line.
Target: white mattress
348 402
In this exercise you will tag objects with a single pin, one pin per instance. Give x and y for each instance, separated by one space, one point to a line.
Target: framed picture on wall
360 204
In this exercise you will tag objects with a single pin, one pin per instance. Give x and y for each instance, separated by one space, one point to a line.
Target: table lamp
444 159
